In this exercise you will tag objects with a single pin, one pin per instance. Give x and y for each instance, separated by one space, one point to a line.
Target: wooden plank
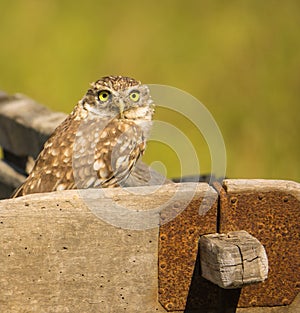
57 255
9 180
25 124
233 260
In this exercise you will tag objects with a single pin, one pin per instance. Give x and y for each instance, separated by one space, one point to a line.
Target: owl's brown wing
53 166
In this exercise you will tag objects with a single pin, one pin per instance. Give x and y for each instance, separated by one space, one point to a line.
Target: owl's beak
121 107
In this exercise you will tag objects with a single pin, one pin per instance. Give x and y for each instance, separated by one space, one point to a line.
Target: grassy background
241 58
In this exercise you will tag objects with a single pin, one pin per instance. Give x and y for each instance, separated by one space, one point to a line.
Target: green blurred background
239 58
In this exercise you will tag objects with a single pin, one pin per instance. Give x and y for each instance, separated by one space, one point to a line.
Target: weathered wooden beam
58 255
19 163
233 260
25 124
9 180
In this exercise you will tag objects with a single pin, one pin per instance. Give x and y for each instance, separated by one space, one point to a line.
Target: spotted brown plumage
98 144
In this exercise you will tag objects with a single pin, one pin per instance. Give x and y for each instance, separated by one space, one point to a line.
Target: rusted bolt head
169 306
233 200
163 237
162 265
285 301
253 302
161 291
191 231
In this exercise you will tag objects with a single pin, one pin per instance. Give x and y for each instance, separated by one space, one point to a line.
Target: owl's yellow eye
134 96
104 95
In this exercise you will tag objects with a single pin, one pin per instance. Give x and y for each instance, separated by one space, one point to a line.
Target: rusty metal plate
179 277
270 211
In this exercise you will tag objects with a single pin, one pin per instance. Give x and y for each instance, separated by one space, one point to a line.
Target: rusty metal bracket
178 249
270 211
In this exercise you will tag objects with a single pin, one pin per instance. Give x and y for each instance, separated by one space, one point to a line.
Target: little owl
98 144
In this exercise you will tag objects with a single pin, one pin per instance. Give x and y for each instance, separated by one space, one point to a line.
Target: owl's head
120 97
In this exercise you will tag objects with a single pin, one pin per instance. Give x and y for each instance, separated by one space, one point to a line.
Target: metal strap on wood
269 211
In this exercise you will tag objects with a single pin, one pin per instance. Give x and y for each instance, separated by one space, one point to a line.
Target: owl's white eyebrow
133 88
93 110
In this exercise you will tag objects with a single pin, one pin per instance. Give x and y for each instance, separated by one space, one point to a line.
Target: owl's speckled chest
105 151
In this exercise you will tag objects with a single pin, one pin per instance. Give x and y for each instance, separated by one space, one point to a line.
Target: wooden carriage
232 246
